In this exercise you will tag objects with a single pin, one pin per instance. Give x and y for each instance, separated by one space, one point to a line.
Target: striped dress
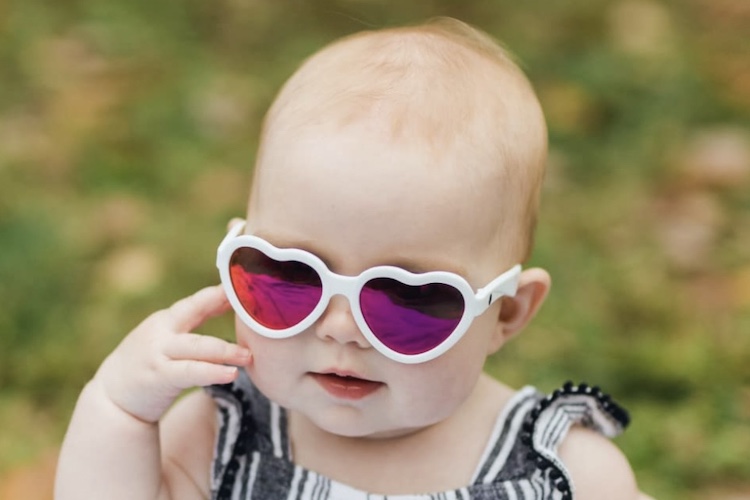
252 456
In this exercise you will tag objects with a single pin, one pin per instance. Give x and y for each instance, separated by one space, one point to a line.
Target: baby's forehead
424 83
342 187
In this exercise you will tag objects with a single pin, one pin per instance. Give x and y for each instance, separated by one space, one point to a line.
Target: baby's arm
598 468
112 448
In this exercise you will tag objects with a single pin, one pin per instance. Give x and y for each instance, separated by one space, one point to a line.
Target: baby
394 198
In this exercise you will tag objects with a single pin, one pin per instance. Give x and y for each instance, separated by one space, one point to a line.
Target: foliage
127 132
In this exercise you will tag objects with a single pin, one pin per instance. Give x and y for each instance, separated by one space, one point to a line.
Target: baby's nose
337 324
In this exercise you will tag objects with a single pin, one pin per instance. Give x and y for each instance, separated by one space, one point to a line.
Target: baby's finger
192 311
187 373
205 348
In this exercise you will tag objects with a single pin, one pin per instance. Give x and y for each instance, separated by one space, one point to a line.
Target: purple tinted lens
276 294
411 319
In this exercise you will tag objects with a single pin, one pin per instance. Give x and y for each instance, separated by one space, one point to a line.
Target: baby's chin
360 430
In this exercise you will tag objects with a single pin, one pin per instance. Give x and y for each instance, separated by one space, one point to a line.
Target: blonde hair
442 84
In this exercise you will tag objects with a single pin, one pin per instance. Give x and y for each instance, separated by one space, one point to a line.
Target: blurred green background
127 136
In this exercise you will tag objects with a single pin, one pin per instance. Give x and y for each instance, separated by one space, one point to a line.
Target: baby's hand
160 357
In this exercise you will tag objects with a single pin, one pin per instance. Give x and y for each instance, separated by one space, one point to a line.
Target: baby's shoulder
597 468
187 435
194 415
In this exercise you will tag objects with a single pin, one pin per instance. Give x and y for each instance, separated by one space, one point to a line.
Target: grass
127 132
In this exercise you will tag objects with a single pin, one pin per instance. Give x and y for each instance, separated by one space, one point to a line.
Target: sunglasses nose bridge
338 284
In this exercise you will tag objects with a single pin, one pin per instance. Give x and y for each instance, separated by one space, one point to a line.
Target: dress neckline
499 445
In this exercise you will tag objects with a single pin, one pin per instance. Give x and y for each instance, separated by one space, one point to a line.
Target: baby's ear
516 312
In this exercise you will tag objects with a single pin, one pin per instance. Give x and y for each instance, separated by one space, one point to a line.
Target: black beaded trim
604 401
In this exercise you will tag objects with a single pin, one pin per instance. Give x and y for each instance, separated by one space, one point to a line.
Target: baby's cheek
443 385
243 334
245 337
270 357
242 340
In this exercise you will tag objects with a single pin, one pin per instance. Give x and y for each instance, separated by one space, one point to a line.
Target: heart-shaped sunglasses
408 317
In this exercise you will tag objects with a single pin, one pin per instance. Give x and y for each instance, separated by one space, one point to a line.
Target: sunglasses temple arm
234 231
504 285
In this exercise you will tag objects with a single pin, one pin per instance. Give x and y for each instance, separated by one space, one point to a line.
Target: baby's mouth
344 386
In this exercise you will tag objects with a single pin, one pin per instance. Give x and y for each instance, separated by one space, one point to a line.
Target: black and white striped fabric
252 458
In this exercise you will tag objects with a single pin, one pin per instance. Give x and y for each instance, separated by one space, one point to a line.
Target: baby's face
356 202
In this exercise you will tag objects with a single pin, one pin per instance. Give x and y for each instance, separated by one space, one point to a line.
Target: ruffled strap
549 422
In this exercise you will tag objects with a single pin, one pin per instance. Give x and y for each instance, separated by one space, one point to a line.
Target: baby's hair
473 38
443 85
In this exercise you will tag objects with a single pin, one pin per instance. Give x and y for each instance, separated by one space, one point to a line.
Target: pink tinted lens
276 294
411 319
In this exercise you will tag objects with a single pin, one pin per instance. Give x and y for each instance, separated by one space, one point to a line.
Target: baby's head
443 93
420 148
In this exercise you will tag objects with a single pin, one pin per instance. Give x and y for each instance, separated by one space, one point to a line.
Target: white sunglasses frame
350 286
